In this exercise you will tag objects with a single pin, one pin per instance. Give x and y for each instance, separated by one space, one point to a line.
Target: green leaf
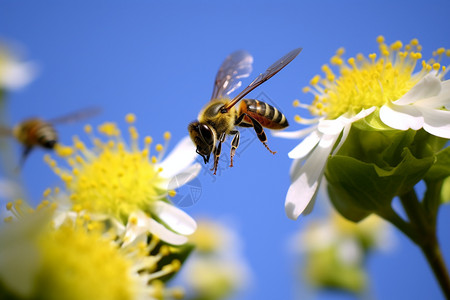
358 188
441 168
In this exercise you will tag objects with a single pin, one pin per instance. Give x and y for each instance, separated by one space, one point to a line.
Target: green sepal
441 167
180 253
372 123
358 188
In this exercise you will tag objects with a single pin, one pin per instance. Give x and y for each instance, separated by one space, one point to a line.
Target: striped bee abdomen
267 115
33 132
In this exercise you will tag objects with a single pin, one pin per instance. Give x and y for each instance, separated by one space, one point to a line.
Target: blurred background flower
217 268
334 253
14 73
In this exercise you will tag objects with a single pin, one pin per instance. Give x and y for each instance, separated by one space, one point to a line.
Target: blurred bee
36 132
219 117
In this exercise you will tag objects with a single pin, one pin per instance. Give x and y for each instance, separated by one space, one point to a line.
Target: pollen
362 82
167 135
112 177
130 118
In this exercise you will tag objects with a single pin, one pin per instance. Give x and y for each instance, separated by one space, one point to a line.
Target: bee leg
217 151
234 145
25 153
258 129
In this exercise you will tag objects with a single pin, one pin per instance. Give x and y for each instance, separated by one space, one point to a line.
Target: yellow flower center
112 178
364 82
77 264
85 259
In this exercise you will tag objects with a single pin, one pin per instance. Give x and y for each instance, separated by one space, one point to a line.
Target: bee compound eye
206 133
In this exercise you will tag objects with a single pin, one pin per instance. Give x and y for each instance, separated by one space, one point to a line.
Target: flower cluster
44 260
115 207
387 100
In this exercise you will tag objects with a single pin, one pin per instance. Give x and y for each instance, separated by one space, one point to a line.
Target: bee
37 132
219 117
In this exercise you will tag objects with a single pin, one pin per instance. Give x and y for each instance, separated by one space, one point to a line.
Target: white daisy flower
128 183
388 85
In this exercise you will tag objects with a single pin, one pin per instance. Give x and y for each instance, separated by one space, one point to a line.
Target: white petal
436 122
174 218
295 169
165 234
305 187
141 225
184 177
439 101
182 156
309 208
347 125
427 87
345 133
362 114
294 134
306 146
401 117
331 127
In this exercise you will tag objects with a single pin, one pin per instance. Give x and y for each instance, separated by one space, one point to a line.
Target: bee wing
272 70
5 130
237 65
76 116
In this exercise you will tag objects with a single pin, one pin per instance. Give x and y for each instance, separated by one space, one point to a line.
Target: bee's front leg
234 145
217 151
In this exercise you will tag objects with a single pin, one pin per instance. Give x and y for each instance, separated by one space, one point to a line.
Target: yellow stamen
367 82
130 118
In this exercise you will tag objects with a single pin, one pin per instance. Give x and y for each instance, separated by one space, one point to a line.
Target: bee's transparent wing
5 130
236 66
272 70
76 116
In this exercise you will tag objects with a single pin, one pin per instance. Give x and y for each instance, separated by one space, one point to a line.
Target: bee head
50 144
204 137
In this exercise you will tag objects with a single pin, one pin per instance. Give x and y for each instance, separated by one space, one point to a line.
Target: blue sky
159 61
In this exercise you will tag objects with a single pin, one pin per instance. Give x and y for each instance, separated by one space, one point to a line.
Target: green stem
391 216
432 199
425 237
436 261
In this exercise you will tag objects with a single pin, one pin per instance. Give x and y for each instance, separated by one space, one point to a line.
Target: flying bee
37 132
220 116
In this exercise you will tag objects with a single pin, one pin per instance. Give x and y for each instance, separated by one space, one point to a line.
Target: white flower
13 73
404 99
128 184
